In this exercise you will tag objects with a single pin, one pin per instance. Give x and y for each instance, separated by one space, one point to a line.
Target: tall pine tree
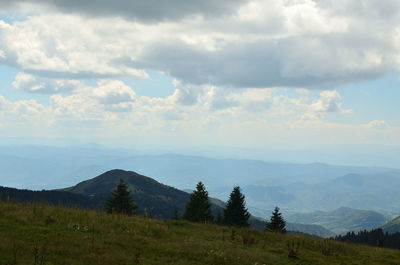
198 209
235 212
121 201
277 223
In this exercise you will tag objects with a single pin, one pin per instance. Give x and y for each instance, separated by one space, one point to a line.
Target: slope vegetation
34 234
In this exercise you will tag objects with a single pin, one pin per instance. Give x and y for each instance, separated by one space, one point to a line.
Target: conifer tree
235 212
121 201
277 223
198 209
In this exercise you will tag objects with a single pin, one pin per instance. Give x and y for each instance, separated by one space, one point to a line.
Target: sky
295 80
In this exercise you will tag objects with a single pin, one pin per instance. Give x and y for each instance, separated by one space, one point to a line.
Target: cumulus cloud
261 43
95 103
329 101
34 84
377 124
58 46
110 92
26 113
149 11
300 108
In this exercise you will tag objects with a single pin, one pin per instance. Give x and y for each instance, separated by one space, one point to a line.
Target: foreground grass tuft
37 234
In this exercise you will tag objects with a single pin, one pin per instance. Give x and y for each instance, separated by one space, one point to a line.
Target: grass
37 234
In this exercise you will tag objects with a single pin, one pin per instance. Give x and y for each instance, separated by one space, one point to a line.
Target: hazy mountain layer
392 226
292 187
342 219
152 197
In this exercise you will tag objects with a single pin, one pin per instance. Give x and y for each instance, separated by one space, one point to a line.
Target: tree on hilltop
198 209
277 223
121 201
235 212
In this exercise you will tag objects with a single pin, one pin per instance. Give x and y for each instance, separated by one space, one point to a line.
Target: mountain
161 199
393 226
51 166
52 197
293 187
374 191
342 220
152 197
317 230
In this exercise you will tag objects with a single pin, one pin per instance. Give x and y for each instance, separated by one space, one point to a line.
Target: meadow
40 234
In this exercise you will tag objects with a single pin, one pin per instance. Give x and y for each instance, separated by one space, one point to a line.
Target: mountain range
343 219
292 187
153 198
161 201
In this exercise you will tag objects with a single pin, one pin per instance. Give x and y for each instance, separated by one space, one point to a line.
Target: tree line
375 237
198 209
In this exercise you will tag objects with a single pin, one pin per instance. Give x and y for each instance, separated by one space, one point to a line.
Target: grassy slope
66 236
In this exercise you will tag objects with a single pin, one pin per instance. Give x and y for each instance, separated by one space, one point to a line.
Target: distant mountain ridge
293 187
152 197
342 220
392 226
377 191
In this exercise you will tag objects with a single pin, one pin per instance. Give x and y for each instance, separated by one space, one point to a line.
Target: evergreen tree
277 223
235 212
121 201
198 209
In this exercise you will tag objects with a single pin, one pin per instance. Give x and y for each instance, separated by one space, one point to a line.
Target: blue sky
308 77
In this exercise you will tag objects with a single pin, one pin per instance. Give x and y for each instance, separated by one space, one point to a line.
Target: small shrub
248 240
136 259
293 250
49 220
39 254
15 254
328 249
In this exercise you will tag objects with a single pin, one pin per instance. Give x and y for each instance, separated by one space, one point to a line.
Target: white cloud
25 115
253 118
59 46
229 68
34 84
262 44
100 103
377 124
329 101
111 92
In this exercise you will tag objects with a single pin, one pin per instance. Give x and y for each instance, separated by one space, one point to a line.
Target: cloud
262 44
377 124
23 113
58 46
34 84
252 116
148 11
329 101
109 92
95 103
